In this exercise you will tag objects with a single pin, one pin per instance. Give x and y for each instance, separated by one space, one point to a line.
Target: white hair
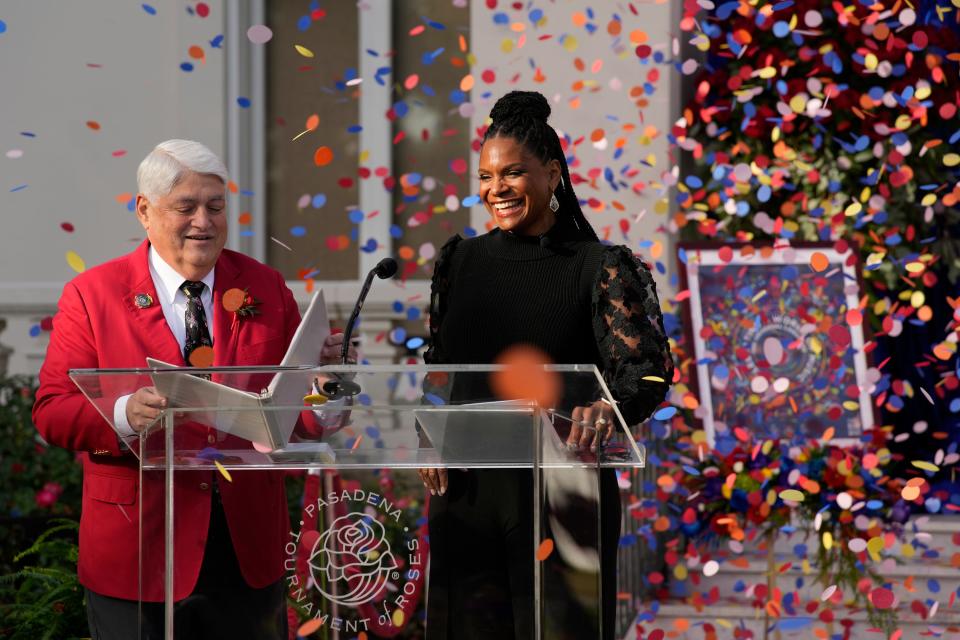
165 166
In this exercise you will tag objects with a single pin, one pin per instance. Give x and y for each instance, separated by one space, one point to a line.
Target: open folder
269 429
490 433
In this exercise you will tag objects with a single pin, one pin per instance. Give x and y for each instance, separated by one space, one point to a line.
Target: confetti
75 262
259 34
223 471
545 549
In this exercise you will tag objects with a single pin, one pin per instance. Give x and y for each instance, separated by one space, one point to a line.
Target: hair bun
521 103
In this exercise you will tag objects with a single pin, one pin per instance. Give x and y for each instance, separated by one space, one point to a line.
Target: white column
375 138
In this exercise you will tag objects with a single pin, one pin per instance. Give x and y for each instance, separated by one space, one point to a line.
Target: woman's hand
592 426
330 353
435 480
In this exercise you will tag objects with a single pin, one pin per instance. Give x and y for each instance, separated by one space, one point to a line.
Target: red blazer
97 325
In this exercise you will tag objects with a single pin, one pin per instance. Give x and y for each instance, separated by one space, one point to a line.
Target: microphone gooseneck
386 268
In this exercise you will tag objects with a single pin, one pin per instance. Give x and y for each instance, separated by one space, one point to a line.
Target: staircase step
684 622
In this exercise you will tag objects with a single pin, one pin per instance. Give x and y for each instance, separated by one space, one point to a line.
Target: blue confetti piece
3 26
304 23
149 9
247 193
415 342
217 42
18 188
434 399
319 200
397 306
186 66
246 233
470 232
400 108
356 128
469 201
429 56
396 231
28 134
34 331
665 413
501 18
439 26
413 313
536 16
356 216
298 231
243 102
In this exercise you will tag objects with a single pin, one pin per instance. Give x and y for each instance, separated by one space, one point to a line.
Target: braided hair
522 116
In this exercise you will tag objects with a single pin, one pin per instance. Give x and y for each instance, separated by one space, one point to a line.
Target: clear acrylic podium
352 555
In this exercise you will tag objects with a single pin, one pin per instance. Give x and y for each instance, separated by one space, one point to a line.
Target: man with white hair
156 301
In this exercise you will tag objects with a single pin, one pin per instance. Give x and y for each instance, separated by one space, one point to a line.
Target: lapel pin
142 300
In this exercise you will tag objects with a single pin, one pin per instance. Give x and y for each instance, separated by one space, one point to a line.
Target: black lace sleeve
439 291
628 327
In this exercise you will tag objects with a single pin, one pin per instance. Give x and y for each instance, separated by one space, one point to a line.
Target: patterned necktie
196 320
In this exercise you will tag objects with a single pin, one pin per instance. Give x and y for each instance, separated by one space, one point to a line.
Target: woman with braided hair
540 277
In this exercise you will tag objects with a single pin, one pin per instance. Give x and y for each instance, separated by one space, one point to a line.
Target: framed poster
777 333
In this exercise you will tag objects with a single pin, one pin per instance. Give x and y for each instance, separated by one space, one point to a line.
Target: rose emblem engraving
354 550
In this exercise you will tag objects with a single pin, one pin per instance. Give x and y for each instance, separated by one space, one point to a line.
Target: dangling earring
554 203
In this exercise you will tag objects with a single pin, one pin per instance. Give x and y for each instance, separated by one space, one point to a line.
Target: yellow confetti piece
76 262
398 618
315 398
827 540
223 471
306 53
951 159
653 379
925 466
793 495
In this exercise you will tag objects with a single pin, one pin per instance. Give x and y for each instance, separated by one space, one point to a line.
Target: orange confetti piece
819 261
233 299
196 52
245 218
309 627
323 156
545 549
313 122
201 357
524 376
94 125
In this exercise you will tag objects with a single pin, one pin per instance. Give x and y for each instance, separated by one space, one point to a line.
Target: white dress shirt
173 302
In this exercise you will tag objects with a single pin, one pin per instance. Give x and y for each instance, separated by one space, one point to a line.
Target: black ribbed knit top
579 301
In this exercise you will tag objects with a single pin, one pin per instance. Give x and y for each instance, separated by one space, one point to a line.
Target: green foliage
44 599
28 466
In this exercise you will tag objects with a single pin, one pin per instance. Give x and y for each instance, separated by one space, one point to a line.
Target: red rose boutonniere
241 304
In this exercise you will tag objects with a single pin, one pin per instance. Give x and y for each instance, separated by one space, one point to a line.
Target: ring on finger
601 421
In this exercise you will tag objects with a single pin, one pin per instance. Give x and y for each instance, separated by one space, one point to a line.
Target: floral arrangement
840 495
813 120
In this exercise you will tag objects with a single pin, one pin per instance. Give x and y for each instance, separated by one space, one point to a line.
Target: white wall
138 95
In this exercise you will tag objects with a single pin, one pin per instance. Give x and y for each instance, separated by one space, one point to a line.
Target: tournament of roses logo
351 563
354 549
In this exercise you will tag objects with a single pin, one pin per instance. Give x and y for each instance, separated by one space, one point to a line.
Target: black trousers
221 605
481 559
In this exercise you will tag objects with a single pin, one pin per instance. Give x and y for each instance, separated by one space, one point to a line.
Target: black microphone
386 268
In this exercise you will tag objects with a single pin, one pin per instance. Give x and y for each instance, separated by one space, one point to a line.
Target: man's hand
591 425
435 480
330 354
144 407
